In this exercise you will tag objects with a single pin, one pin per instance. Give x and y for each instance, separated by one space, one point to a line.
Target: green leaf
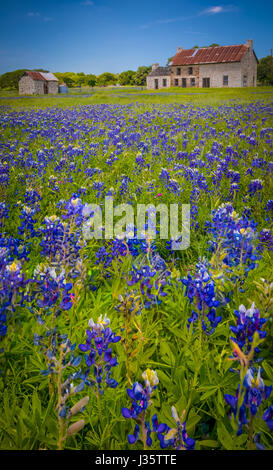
224 437
208 443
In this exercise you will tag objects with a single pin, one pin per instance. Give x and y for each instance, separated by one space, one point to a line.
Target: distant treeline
9 80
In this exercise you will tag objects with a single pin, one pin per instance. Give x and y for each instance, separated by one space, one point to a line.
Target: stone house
219 67
38 83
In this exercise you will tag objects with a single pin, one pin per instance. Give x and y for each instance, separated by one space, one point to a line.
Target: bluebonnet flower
32 197
201 290
254 392
269 209
53 289
268 417
255 186
141 399
28 221
4 213
265 240
248 322
100 357
58 242
4 174
236 236
152 278
174 437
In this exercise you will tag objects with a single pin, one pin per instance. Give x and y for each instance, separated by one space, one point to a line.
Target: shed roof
209 55
49 76
35 75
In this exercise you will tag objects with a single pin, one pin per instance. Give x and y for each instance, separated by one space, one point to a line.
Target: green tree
106 79
141 75
265 71
127 77
91 80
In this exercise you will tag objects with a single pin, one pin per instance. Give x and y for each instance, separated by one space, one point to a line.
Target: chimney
155 66
249 43
179 49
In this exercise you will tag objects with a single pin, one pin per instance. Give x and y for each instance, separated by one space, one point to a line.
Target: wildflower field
126 343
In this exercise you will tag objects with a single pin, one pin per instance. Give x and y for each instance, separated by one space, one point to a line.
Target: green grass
125 95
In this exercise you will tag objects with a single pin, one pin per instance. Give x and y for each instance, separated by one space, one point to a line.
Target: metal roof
210 55
41 76
35 75
49 77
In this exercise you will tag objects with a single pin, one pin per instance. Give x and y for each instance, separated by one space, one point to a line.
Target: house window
193 81
164 82
225 80
184 82
206 82
176 82
190 70
244 80
178 71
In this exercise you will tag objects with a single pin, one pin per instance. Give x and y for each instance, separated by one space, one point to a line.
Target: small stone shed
38 83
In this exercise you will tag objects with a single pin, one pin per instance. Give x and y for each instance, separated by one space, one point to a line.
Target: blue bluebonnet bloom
265 240
255 186
268 417
173 437
151 278
59 243
4 213
254 393
28 221
52 288
236 236
201 290
249 321
141 399
100 357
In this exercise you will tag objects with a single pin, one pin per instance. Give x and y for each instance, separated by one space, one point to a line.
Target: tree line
9 80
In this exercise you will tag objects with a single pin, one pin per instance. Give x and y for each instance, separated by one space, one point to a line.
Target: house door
206 82
46 88
184 82
156 83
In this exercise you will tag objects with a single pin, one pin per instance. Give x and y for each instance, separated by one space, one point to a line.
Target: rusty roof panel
209 55
36 76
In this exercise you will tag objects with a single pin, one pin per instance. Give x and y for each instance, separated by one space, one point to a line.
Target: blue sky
96 36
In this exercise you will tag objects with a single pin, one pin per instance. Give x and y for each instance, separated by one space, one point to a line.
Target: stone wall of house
249 68
151 82
185 73
53 87
26 86
216 72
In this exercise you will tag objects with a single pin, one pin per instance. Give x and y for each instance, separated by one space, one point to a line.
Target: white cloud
218 9
214 10
33 14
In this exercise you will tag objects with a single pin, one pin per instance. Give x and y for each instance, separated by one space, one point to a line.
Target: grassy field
125 95
128 343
